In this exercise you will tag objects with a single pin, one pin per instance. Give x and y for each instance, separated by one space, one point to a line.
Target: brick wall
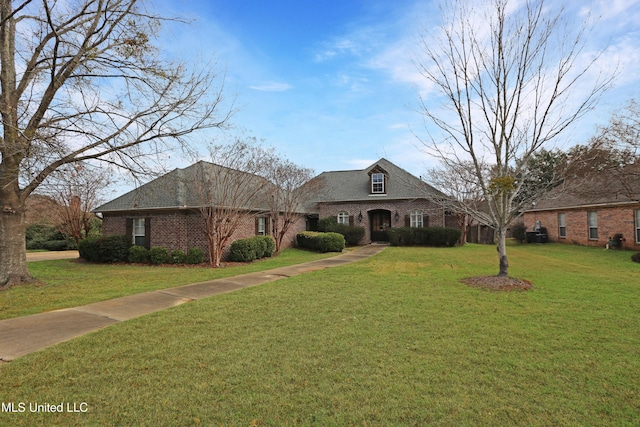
183 229
435 212
611 220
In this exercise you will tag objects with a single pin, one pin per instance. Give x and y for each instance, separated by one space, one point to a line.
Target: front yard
393 340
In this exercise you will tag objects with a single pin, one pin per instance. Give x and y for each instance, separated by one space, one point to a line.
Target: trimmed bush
138 254
159 255
105 249
321 242
56 245
635 257
244 250
270 246
178 257
352 234
427 236
194 256
88 249
252 248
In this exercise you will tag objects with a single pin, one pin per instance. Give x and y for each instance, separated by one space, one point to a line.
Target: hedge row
321 242
43 236
109 249
352 234
427 236
252 248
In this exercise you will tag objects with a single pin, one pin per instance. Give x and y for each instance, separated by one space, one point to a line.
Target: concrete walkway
23 335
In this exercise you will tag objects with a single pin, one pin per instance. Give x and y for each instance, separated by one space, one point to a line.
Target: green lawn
392 340
68 283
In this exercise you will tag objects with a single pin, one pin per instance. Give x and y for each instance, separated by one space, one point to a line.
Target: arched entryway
379 222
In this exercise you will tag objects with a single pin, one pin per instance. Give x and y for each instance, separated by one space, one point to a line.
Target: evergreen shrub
159 255
138 254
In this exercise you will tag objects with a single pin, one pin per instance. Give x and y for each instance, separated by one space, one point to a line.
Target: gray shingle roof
178 189
600 189
355 185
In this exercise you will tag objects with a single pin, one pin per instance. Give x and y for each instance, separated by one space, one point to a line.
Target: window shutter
351 220
129 228
267 226
147 232
256 225
425 220
407 221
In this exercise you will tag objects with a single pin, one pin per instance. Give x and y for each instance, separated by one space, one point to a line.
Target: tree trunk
502 252
13 258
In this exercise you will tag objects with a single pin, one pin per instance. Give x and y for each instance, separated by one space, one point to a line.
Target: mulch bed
496 283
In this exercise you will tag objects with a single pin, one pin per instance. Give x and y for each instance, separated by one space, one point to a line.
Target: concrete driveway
48 256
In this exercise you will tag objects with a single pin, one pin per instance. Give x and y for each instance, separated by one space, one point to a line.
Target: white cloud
272 87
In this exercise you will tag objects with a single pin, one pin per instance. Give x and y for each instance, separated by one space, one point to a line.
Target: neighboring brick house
164 212
379 197
591 211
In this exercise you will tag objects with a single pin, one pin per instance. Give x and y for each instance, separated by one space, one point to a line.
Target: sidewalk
23 335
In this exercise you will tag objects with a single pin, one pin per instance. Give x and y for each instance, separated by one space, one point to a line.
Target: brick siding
611 221
435 212
183 230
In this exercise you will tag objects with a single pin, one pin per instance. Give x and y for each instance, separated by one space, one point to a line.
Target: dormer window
377 183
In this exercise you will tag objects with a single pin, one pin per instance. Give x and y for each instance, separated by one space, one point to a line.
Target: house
377 198
165 211
592 211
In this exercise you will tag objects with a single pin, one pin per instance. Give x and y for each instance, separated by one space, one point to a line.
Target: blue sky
331 84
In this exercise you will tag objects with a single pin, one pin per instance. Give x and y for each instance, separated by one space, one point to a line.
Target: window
637 211
261 226
416 219
139 232
593 225
377 183
562 225
343 218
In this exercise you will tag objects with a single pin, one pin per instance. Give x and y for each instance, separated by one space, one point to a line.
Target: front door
380 221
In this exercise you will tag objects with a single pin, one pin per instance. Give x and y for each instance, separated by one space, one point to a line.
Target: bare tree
287 195
77 189
464 197
511 77
81 79
230 191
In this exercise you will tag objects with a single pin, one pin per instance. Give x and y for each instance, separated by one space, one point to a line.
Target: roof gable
355 185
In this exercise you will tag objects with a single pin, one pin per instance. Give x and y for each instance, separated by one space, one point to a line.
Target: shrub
252 248
352 234
635 257
105 249
244 250
159 255
138 254
519 232
321 242
194 256
178 257
325 223
427 236
88 249
270 245
36 236
57 245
